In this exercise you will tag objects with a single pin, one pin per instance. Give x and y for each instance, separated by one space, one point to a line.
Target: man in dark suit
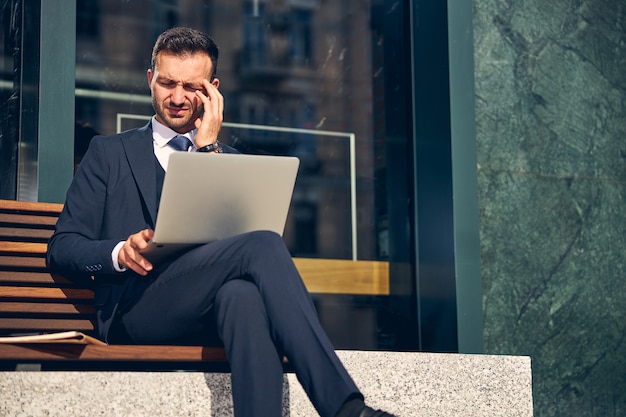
245 289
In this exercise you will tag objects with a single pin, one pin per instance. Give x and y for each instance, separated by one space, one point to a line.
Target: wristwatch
212 147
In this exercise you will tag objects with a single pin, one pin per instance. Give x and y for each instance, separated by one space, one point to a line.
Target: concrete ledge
407 384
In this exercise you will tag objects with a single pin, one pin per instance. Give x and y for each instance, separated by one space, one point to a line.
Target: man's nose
178 95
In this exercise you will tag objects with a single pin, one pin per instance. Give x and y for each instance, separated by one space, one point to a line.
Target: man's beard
185 123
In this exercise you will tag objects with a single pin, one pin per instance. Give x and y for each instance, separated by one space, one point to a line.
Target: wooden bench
34 301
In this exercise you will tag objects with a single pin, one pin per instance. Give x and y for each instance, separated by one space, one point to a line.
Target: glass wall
302 65
302 78
332 83
19 45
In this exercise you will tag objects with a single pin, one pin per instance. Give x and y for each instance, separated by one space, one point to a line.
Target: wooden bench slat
31 206
338 276
46 308
24 247
36 293
43 277
45 324
320 275
65 351
11 233
23 262
45 221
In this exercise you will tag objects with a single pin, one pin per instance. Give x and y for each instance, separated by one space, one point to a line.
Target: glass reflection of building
289 64
334 83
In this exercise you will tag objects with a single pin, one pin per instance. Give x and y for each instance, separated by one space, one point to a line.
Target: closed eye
193 87
167 83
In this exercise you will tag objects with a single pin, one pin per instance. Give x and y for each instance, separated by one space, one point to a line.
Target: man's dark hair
182 41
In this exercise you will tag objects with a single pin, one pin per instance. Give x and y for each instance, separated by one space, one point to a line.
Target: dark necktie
180 143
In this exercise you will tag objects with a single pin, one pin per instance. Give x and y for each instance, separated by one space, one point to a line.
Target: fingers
213 104
130 257
213 98
210 123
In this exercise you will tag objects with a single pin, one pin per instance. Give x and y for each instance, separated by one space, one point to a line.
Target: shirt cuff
114 255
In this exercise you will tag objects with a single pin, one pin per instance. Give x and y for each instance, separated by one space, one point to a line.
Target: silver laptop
207 197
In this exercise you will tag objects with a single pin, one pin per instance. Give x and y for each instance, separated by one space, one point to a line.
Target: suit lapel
140 155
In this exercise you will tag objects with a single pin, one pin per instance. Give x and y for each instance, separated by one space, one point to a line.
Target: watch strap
212 147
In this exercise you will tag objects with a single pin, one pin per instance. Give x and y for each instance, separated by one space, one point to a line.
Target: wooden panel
60 351
336 276
46 308
10 292
26 324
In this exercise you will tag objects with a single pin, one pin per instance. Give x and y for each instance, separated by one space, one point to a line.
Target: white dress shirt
162 134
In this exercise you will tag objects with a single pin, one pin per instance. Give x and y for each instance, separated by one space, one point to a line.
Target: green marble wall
551 139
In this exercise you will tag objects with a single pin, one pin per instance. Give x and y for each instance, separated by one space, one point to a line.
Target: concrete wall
407 384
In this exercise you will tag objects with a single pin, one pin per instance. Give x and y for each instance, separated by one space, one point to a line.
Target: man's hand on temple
210 123
129 256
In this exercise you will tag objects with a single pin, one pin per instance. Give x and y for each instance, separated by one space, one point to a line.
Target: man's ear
150 76
215 82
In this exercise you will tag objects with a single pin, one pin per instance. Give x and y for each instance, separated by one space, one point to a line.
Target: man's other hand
129 256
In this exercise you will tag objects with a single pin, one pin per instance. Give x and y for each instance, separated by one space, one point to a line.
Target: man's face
173 84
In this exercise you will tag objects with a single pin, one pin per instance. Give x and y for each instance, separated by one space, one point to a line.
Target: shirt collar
162 134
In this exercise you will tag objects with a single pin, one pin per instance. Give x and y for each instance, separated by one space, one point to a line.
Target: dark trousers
248 290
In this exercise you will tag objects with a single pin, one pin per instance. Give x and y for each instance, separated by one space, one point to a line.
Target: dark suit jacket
113 195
